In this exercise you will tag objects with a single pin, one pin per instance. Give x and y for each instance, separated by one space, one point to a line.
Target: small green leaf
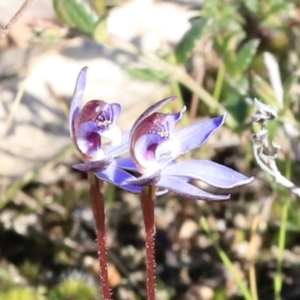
240 84
236 105
246 55
147 74
77 286
21 293
253 5
100 34
263 90
190 39
230 59
99 6
76 14
287 86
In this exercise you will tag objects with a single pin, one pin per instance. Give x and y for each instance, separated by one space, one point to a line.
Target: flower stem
97 203
148 202
219 82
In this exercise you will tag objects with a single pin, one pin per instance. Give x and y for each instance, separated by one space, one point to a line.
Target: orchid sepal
76 100
209 172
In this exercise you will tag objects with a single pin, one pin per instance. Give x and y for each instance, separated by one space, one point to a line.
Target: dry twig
264 154
5 30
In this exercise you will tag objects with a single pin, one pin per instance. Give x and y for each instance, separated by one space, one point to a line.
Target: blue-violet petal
119 178
183 188
194 136
76 100
209 172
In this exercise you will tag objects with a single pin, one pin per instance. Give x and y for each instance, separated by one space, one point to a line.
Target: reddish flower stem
148 202
97 203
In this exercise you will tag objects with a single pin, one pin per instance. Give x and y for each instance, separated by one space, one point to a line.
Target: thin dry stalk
252 255
5 30
264 153
195 99
13 110
7 125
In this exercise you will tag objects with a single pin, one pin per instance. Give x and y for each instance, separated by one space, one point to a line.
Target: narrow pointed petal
151 179
93 166
183 188
119 178
177 116
113 112
76 100
208 172
152 109
195 135
126 164
161 192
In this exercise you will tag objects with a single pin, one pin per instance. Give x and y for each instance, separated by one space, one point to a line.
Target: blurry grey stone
240 221
40 127
198 292
188 229
39 130
19 223
84 214
242 249
164 217
151 25
125 293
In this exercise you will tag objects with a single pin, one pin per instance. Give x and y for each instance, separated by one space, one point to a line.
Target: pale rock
149 23
188 229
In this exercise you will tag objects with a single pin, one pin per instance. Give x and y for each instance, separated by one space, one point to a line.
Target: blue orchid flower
154 146
89 125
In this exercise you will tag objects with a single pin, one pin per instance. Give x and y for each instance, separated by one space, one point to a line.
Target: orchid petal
93 166
167 151
112 133
183 188
209 172
195 135
97 120
161 192
88 140
119 178
154 130
104 114
76 100
177 116
144 152
143 180
126 164
114 111
114 151
152 109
